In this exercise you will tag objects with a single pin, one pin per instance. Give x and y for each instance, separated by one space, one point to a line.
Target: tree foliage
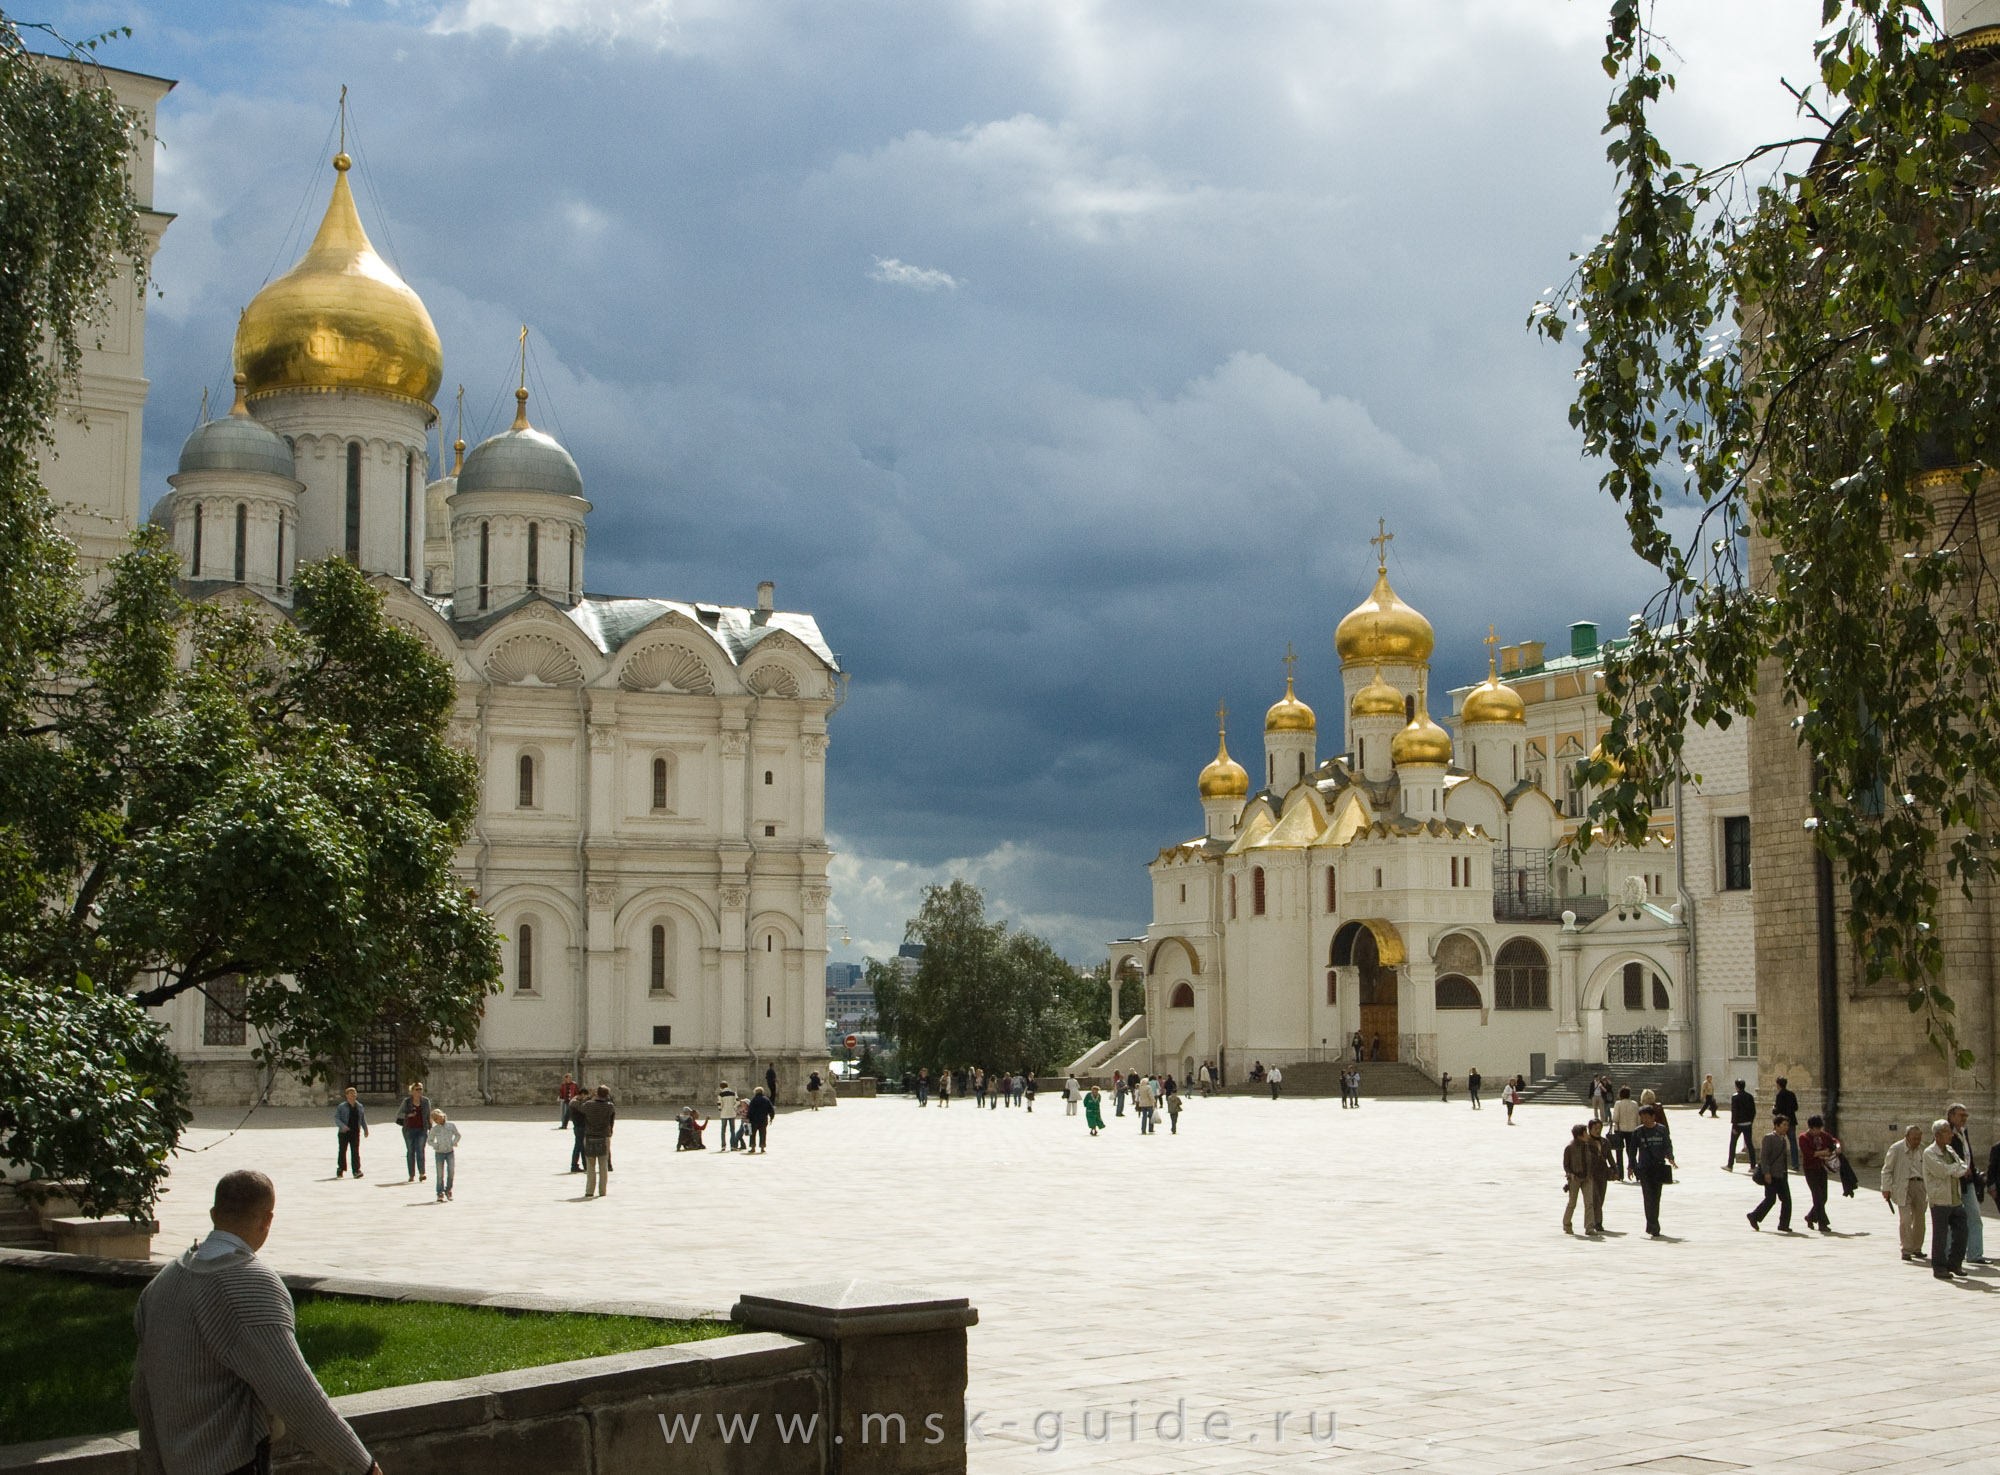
188 793
1798 351
982 995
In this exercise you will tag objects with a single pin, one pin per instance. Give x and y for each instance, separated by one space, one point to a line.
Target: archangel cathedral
1414 889
651 832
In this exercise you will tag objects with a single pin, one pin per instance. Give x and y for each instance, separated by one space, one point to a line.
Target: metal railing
1644 1046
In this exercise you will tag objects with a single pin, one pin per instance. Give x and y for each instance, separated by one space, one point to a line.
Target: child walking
444 1137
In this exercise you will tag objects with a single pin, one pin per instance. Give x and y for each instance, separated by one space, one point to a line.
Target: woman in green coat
1093 1110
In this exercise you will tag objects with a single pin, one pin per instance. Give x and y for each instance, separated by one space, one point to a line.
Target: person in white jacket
1072 1093
1903 1188
1943 1170
443 1137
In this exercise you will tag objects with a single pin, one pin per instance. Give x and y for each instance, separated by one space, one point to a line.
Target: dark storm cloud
1059 357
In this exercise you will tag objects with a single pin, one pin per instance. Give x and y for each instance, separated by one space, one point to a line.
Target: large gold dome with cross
340 318
1383 631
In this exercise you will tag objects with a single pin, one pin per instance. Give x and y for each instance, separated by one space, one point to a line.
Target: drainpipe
1829 993
1693 933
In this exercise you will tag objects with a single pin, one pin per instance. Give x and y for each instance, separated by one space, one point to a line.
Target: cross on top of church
1222 717
1291 662
1382 539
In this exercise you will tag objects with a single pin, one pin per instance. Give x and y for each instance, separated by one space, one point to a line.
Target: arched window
1409 709
1455 991
526 797
1635 986
1660 994
659 783
534 555
485 559
656 976
1521 976
1183 997
242 542
1302 767
1332 987
1458 953
353 540
1332 891
524 958
1257 890
767 778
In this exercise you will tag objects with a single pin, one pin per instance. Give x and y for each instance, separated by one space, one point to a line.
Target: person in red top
1819 1156
565 1095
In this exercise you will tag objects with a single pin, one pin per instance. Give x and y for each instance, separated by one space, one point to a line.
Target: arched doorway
1355 946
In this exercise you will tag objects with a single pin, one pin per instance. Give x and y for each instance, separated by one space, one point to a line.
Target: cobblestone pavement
1401 1268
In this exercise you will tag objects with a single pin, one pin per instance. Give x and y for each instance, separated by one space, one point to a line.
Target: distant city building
850 1002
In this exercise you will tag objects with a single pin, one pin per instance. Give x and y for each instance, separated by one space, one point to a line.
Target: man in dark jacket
1652 1153
771 1083
1774 1165
350 1125
599 1117
1742 1123
761 1112
1786 1105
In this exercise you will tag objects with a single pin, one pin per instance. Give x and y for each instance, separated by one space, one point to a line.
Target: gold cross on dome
1382 539
1291 660
1221 716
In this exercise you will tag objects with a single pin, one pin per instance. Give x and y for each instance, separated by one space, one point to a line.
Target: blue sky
1059 355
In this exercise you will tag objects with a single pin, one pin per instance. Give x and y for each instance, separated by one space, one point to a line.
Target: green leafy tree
981 995
1790 370
187 793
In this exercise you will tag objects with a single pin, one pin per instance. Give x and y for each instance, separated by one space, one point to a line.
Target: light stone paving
1402 1267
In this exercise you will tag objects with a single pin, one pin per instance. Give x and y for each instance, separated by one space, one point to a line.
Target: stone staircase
1322 1078
1671 1082
20 1226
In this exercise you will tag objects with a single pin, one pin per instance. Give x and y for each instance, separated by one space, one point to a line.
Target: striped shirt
219 1369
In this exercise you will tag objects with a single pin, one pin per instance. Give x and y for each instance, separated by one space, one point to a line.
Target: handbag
1757 1176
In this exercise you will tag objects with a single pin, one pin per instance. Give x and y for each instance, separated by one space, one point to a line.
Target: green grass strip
66 1348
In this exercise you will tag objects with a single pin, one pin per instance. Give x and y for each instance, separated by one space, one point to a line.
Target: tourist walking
944 1088
1173 1108
1944 1179
1277 1078
1510 1097
443 1137
218 1358
812 1092
758 1112
1597 1097
576 1134
1118 1091
1444 1085
978 1089
1819 1156
1206 1080
1624 1122
924 1087
1974 1189
1599 1161
414 1116
1472 1086
599 1117
1142 1102
1742 1115
1027 1089
1772 1171
1903 1189
1356 1043
1072 1094
1786 1104
565 1094
350 1125
725 1113
1653 1160
1707 1097
771 1084
1093 1110
1576 1176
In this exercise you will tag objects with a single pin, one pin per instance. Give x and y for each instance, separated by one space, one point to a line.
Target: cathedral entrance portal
1354 945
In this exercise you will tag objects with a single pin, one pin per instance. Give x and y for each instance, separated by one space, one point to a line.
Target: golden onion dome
1384 630
1492 702
1423 741
340 318
1377 699
1224 778
1289 714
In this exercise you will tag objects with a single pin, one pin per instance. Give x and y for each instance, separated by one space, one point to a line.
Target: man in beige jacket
1903 1188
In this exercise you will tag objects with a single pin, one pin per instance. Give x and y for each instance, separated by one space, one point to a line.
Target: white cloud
920 278
599 21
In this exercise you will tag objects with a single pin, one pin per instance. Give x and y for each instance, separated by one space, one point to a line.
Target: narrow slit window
242 571
534 555
194 563
353 539
657 978
485 559
659 783
409 509
524 959
527 784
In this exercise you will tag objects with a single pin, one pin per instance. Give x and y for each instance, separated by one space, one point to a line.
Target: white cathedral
651 831
1409 889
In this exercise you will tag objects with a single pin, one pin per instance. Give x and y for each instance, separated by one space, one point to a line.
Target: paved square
1402 1267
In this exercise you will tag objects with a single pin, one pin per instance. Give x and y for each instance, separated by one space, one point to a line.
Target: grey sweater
217 1360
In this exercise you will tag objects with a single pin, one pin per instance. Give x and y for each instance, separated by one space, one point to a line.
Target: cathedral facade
651 830
1409 889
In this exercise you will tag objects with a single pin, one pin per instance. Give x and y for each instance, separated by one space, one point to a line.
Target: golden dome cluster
340 318
1289 714
1383 630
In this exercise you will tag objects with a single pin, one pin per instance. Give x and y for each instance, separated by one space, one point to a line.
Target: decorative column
733 1011
1416 1012
1571 1044
812 817
606 1015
